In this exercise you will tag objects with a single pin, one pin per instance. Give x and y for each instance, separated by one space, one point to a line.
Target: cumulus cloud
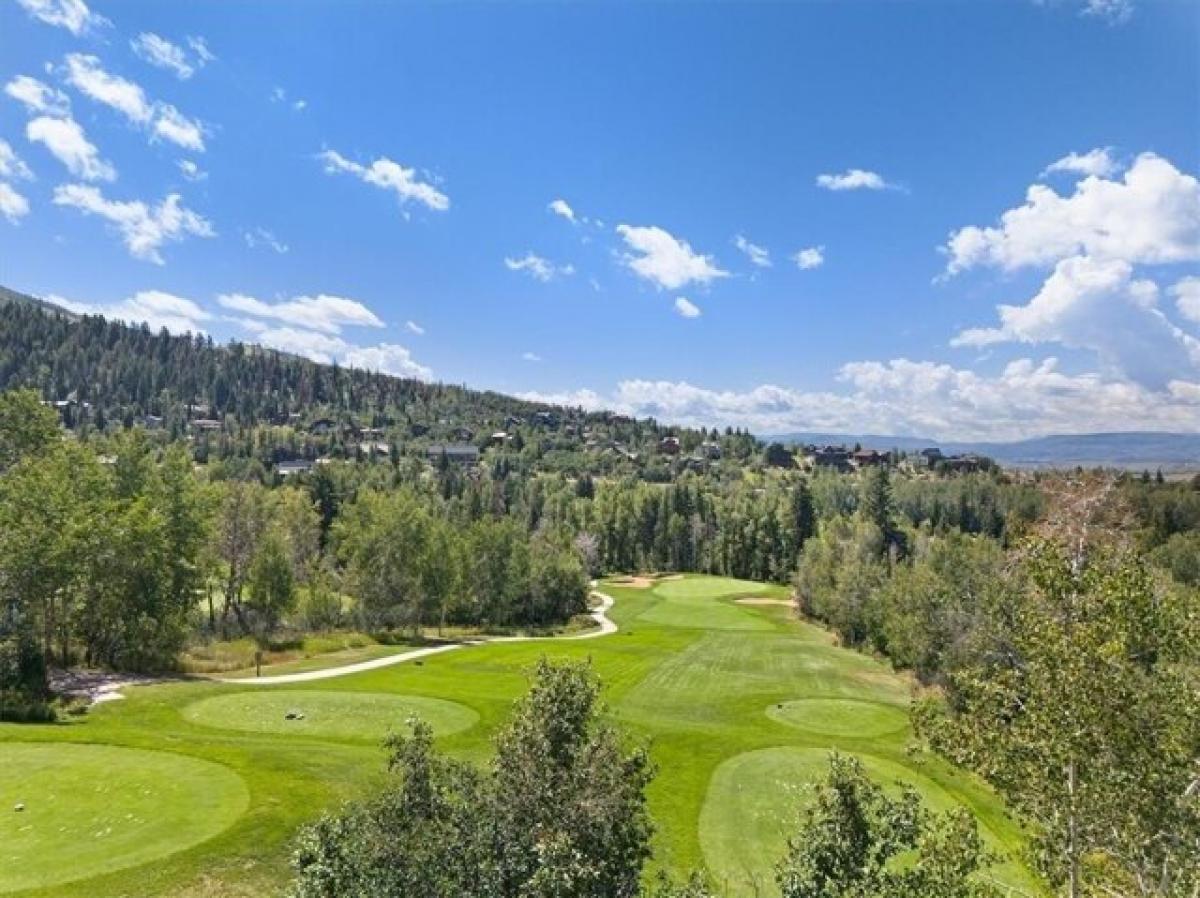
756 254
388 175
1092 240
1098 305
385 358
37 96
1150 215
686 307
324 313
143 228
64 139
73 15
13 206
853 179
85 73
1027 398
809 257
256 237
538 268
1187 298
1097 162
155 308
666 261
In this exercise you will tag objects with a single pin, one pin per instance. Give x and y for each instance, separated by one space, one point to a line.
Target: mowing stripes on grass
334 715
840 717
754 800
92 809
706 603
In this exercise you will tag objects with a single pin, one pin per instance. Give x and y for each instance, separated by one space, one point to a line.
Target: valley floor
196 788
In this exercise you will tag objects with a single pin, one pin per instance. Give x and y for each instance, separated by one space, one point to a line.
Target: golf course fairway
739 703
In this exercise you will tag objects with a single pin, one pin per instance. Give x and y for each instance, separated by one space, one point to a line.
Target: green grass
840 717
90 809
691 673
355 715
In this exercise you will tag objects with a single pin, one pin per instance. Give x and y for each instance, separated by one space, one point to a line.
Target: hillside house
669 445
456 453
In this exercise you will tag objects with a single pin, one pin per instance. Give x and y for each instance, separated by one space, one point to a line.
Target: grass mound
93 809
337 715
840 717
705 603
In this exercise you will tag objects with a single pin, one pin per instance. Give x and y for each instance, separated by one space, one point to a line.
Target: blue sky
784 216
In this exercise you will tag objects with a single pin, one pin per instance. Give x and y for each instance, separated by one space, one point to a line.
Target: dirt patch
751 600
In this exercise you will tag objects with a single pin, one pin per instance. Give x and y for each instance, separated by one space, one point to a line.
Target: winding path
600 616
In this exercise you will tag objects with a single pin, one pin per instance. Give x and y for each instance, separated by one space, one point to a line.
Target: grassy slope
690 671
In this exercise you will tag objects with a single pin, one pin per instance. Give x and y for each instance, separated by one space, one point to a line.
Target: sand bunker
750 600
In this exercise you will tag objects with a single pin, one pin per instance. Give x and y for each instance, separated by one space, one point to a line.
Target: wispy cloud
73 15
143 228
530 357
162 120
37 96
1097 162
325 313
854 179
388 175
191 170
261 237
686 307
413 328
156 308
162 53
756 254
13 206
538 268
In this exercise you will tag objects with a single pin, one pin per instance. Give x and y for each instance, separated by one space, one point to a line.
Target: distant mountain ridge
1130 449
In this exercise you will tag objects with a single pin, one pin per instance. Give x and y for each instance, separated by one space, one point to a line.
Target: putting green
705 603
840 717
753 803
92 809
340 715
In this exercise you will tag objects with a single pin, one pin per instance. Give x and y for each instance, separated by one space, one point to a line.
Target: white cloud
756 254
13 206
686 307
279 95
1187 298
161 53
853 179
65 140
1115 12
388 175
324 313
262 237
1151 215
38 96
810 257
413 328
11 165
191 170
1098 162
531 357
72 15
85 74
560 207
385 358
538 268
143 228
199 46
1093 298
1026 398
155 308
1098 305
664 260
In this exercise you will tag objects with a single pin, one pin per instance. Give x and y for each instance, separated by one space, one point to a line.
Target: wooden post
258 662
